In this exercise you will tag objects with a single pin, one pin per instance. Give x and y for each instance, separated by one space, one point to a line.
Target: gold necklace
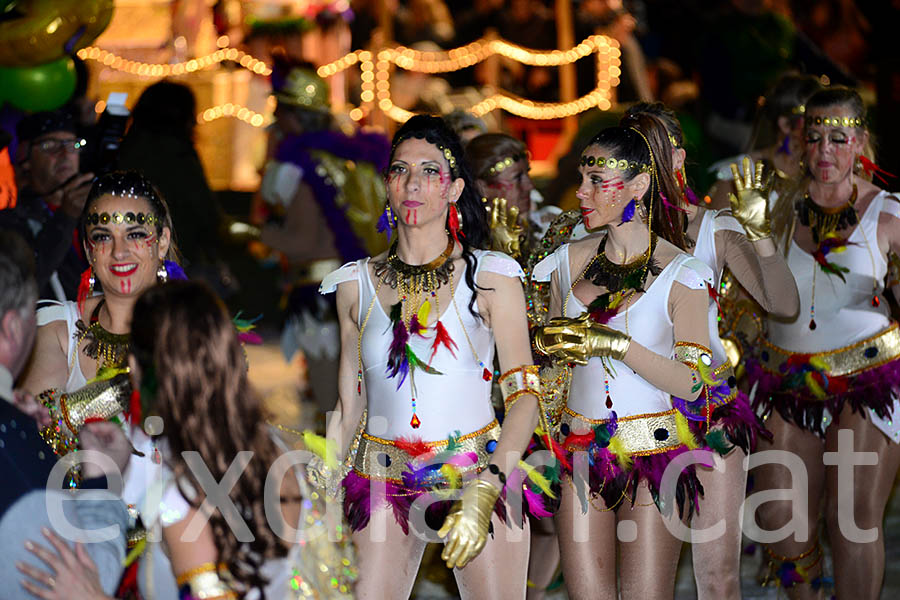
110 350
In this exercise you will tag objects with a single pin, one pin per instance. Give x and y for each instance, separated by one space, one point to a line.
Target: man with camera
51 199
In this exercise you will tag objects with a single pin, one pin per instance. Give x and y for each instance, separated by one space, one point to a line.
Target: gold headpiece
501 165
613 163
129 218
835 121
304 89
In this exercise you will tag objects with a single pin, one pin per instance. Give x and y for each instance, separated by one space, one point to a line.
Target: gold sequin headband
675 143
447 153
128 218
613 163
798 110
835 121
504 164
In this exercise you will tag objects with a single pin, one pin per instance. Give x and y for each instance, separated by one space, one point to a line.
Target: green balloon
44 87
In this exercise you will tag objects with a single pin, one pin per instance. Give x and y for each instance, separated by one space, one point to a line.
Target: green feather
416 363
718 443
395 312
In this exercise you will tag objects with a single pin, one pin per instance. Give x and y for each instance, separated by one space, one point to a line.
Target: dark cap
41 123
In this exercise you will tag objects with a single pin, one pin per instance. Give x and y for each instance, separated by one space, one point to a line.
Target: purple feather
384 224
691 196
415 328
535 503
174 270
628 213
785 147
397 360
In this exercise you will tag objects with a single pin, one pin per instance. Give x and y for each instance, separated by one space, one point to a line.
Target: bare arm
48 367
350 403
762 270
688 311
504 307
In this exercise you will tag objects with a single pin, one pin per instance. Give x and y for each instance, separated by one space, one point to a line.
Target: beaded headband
128 218
502 165
798 110
447 153
674 142
835 121
614 163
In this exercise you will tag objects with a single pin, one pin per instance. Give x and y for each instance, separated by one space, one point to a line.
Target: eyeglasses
56 146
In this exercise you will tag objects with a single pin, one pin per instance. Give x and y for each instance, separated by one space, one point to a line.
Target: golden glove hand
326 479
466 527
580 339
240 232
505 228
751 204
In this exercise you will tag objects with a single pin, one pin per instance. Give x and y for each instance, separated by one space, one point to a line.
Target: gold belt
381 459
869 353
723 373
640 435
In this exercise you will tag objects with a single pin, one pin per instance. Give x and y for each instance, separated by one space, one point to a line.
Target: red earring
454 223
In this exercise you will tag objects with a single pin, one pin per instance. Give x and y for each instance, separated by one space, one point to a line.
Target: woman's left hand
73 574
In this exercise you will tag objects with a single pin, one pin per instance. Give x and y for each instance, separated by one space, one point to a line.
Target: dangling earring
387 221
454 223
686 190
785 147
161 274
85 287
628 213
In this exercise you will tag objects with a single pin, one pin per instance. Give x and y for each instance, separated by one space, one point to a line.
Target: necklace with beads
824 223
417 287
110 350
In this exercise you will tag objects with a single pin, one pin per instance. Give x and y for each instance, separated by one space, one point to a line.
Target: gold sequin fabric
864 355
383 460
640 435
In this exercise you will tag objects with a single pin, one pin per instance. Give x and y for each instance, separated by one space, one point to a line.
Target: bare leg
543 559
388 562
587 545
650 561
775 514
500 570
859 567
717 563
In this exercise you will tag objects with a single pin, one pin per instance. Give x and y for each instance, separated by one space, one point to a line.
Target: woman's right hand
580 339
750 206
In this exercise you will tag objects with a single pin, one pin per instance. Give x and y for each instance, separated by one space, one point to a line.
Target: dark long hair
787 98
134 184
627 142
194 370
474 221
166 107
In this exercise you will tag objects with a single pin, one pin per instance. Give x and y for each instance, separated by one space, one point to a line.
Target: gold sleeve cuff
206 584
518 382
98 400
693 354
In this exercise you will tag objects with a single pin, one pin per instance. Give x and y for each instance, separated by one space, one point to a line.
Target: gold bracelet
206 567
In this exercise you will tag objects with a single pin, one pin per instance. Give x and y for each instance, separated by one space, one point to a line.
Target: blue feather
628 213
384 223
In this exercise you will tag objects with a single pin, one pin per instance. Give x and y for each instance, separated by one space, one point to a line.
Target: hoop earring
162 275
454 223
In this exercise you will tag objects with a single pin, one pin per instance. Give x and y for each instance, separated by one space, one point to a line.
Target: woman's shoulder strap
693 272
497 262
348 272
51 310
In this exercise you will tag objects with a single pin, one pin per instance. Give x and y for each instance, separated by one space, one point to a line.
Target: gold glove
505 228
328 480
751 204
580 339
240 232
97 400
466 527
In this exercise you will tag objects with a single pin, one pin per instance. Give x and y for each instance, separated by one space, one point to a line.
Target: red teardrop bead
608 401
486 374
359 387
875 301
414 423
812 324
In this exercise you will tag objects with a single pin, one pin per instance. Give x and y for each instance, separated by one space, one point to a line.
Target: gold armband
207 582
518 382
699 359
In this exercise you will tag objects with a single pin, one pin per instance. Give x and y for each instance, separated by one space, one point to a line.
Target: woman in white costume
740 239
127 236
418 329
835 367
633 312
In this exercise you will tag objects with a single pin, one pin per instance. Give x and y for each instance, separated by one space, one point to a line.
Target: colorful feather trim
245 328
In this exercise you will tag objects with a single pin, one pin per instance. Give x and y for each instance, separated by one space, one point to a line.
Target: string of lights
142 69
237 111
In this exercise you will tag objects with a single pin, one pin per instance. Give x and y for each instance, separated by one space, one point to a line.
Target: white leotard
457 400
844 311
649 324
705 250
